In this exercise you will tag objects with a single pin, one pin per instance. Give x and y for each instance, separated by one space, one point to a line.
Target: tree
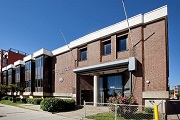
15 88
3 88
177 96
171 92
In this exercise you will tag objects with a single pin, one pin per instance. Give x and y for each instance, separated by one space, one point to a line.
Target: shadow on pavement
78 107
14 112
2 116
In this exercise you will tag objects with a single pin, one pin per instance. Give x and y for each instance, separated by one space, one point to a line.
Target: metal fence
120 111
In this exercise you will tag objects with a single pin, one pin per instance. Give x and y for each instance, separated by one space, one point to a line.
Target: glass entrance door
101 90
110 85
114 85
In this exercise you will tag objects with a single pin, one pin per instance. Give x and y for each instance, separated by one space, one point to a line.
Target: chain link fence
120 111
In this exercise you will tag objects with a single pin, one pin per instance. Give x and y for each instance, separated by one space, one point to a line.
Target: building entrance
86 95
110 85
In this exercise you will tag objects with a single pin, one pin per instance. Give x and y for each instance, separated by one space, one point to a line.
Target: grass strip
111 116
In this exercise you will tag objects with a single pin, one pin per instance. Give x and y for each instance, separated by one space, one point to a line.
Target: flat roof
120 26
27 58
19 62
10 66
42 52
4 69
115 28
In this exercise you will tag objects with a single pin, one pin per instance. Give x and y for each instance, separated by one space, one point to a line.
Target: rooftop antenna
68 45
133 48
130 35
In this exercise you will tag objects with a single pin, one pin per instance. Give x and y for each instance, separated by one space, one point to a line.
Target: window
17 76
10 76
28 74
28 84
122 43
4 77
4 63
107 47
83 53
39 71
110 85
114 85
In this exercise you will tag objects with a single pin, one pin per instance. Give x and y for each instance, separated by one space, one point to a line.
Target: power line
67 45
127 23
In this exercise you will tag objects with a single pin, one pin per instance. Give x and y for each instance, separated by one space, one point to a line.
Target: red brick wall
86 82
13 57
64 65
137 76
155 56
150 51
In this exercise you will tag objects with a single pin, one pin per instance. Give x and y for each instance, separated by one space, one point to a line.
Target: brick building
8 57
176 90
106 63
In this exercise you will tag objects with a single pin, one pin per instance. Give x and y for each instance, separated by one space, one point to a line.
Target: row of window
28 71
121 46
39 65
39 71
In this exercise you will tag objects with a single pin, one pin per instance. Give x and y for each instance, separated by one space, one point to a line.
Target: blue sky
29 25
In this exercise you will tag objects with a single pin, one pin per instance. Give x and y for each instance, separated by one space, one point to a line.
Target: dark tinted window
28 74
107 47
17 74
10 76
122 43
39 71
83 54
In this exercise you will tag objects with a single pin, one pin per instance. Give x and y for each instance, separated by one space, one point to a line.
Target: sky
29 25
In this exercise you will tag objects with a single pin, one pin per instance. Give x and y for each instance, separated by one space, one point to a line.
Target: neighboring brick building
106 63
176 90
8 57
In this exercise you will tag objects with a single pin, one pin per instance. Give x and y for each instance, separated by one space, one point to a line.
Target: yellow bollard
156 113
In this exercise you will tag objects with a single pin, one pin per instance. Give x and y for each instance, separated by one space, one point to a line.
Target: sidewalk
8 112
76 114
31 107
173 117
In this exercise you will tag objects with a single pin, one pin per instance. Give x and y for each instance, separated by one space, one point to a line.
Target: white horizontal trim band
29 57
131 65
19 62
133 21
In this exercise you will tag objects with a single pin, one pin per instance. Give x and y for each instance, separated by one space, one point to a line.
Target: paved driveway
16 113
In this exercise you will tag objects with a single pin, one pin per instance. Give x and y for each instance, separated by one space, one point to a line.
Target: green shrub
35 101
52 104
5 97
18 98
69 104
29 100
57 104
148 109
178 96
10 98
23 100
